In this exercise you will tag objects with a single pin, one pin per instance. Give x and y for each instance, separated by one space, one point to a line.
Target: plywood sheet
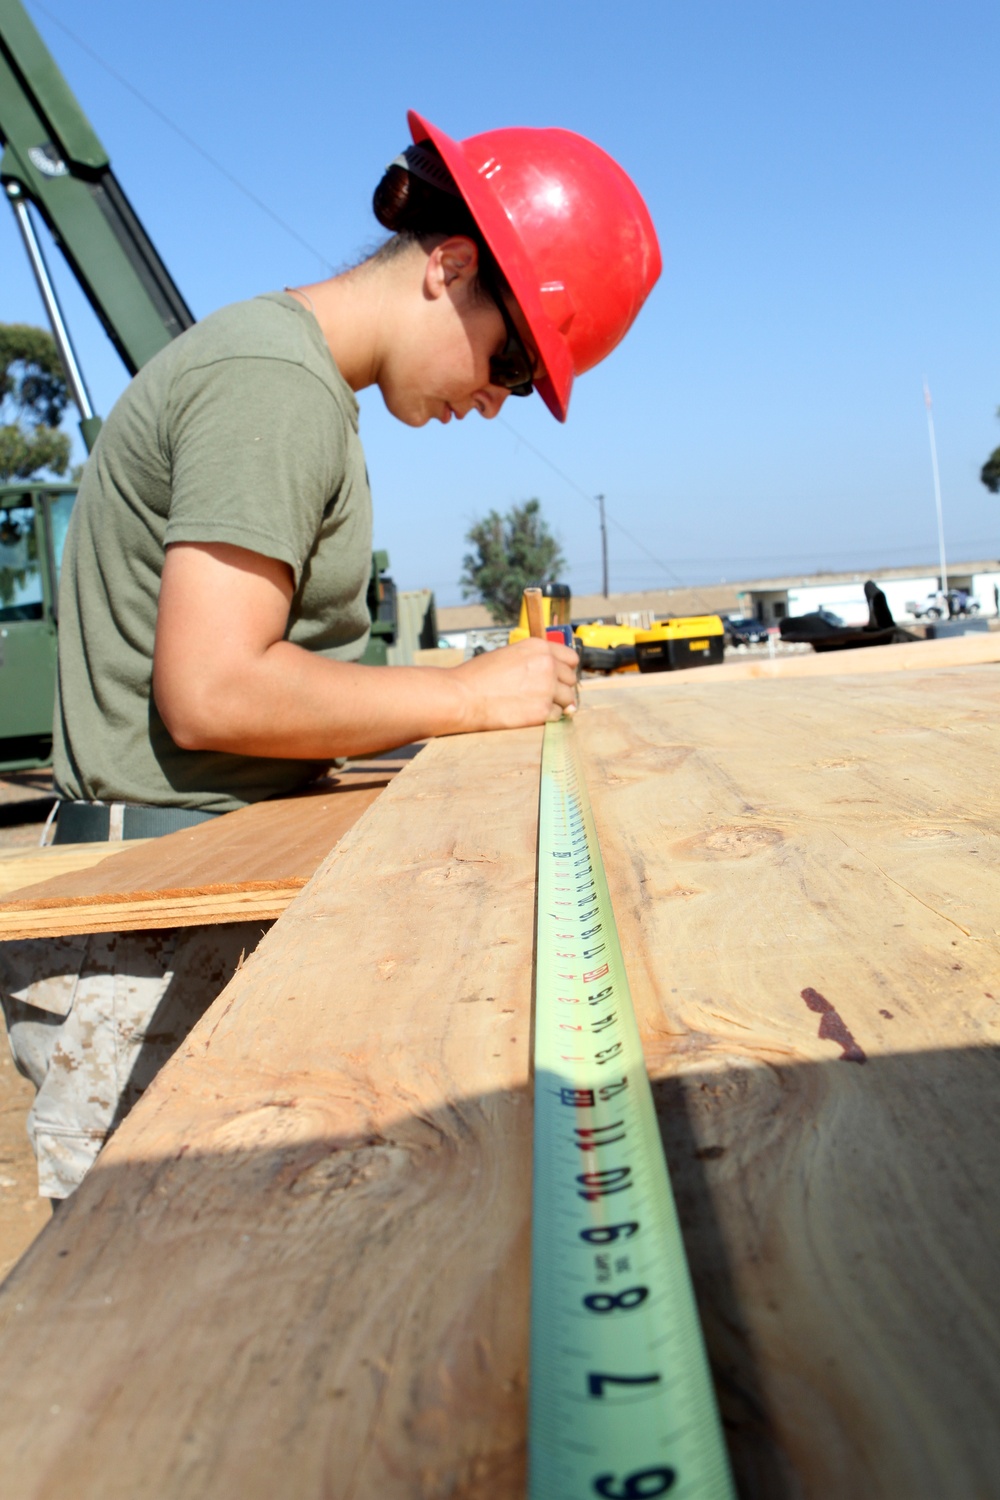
439 656
20 867
243 865
200 909
301 1265
808 884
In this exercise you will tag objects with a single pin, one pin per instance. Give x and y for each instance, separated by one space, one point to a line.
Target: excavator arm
53 160
53 165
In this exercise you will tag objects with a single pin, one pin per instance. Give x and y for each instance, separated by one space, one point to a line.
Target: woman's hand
528 683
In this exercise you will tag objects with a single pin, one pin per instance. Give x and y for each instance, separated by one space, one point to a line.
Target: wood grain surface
300 1267
117 914
27 866
807 882
240 866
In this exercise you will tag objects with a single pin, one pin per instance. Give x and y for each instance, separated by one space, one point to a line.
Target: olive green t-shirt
242 430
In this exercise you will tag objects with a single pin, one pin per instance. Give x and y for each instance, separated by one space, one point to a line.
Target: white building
844 593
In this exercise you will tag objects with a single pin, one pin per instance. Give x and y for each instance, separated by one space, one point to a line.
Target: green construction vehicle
33 522
54 166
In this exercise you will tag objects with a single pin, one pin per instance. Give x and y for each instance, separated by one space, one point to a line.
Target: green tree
33 398
512 552
990 472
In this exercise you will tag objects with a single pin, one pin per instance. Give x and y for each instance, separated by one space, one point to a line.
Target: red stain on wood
832 1028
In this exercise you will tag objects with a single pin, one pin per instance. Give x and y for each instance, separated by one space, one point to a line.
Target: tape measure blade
621 1397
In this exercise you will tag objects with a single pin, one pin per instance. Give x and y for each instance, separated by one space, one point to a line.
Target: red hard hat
570 233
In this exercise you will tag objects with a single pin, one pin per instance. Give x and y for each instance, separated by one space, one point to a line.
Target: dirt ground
25 802
22 1212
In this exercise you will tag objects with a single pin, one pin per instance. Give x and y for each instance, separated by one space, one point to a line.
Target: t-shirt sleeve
257 449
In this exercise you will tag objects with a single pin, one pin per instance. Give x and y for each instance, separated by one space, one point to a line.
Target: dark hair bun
418 196
417 199
392 201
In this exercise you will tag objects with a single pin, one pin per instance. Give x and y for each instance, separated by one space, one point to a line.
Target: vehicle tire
933 614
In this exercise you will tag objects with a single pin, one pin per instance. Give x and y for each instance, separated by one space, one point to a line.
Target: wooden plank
19 867
909 656
301 1266
808 873
440 656
202 909
243 865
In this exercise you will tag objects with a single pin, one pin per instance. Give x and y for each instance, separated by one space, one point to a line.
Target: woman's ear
452 262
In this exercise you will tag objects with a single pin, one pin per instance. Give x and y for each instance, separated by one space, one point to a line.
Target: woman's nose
495 396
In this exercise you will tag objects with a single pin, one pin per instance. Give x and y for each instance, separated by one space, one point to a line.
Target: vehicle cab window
21 592
59 512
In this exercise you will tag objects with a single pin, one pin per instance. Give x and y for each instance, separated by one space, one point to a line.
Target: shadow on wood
860 1272
305 1299
300 1268
310 1298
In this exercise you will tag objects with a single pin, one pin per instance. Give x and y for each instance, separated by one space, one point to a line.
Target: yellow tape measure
621 1398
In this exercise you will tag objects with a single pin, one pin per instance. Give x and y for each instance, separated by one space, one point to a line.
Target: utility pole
937 487
604 547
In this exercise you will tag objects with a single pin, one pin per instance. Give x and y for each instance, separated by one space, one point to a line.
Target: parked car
820 623
937 606
743 630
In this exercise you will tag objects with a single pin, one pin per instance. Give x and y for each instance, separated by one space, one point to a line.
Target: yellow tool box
695 641
606 648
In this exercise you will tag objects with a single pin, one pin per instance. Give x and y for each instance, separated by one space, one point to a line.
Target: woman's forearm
224 677
288 702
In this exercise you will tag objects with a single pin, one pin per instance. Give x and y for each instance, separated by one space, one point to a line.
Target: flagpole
937 487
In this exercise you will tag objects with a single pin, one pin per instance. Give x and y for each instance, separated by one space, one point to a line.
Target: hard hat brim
472 180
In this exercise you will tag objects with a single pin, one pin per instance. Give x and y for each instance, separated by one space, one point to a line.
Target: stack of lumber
301 1266
242 866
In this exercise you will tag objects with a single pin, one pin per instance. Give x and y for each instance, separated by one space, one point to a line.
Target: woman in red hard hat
575 246
215 577
214 581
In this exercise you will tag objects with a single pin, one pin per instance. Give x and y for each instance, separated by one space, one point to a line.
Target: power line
271 214
793 557
592 501
187 139
545 460
265 208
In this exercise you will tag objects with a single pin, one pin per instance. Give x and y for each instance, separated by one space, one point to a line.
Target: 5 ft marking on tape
621 1398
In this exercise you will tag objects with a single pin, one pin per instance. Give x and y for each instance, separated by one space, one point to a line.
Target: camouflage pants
92 1019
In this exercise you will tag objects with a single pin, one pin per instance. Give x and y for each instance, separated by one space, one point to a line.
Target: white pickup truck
940 605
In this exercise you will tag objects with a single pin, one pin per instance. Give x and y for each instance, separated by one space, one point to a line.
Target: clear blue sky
823 180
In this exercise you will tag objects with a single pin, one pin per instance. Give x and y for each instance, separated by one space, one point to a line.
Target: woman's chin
414 411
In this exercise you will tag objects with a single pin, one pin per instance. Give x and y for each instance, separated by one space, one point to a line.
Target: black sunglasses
512 369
